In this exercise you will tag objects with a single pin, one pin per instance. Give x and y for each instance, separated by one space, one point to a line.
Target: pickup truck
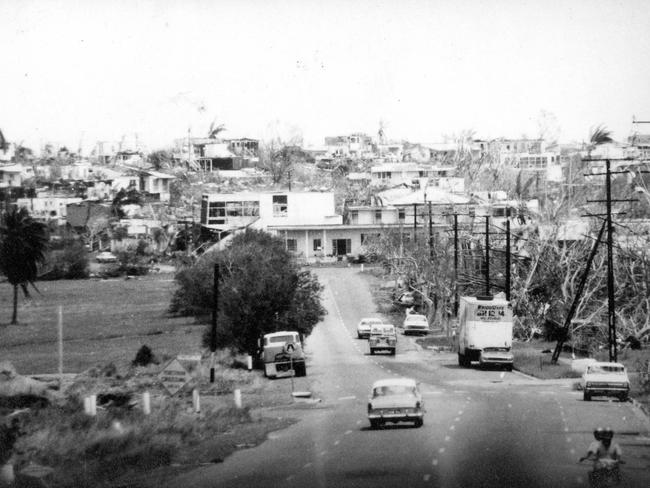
282 355
383 338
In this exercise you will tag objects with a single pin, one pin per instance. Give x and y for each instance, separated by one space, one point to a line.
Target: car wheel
374 424
419 422
300 369
461 360
509 367
586 396
623 397
372 352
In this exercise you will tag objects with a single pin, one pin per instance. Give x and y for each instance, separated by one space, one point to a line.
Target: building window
317 244
341 247
354 216
279 205
292 245
377 215
401 214
217 209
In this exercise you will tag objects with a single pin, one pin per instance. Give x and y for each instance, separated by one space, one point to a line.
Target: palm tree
215 129
23 242
599 135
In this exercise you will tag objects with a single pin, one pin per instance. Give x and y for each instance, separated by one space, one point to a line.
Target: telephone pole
611 304
415 223
455 265
487 255
430 234
508 253
213 329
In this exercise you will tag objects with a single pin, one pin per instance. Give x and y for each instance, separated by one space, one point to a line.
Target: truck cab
282 355
485 332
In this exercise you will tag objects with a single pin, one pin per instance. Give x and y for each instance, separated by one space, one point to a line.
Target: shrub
70 263
144 357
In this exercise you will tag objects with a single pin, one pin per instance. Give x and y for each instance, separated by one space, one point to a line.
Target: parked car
106 257
416 324
364 326
395 400
605 379
406 299
383 338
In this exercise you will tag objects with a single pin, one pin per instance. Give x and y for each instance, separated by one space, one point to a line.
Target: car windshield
416 318
282 338
370 321
601 368
392 390
382 331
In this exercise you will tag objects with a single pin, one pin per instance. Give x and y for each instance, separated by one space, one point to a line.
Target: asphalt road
481 428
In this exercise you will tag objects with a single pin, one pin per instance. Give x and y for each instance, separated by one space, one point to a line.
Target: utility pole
190 150
508 253
430 234
487 255
611 307
213 330
455 264
576 299
611 304
415 223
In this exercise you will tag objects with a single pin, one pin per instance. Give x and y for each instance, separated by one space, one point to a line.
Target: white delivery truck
485 331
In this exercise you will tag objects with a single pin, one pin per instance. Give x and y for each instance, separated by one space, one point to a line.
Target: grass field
103 321
107 321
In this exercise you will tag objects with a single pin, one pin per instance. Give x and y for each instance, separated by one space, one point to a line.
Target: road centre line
426 477
290 477
306 466
351 397
447 438
441 450
336 443
434 462
348 432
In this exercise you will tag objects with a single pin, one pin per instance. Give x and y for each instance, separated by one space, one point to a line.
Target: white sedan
395 400
106 257
416 324
364 326
605 379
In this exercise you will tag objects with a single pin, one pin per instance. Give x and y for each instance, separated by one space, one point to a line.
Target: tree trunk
14 317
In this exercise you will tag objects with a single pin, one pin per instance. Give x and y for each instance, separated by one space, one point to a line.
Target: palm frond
600 135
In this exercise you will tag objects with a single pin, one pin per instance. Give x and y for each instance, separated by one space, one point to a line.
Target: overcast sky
96 70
